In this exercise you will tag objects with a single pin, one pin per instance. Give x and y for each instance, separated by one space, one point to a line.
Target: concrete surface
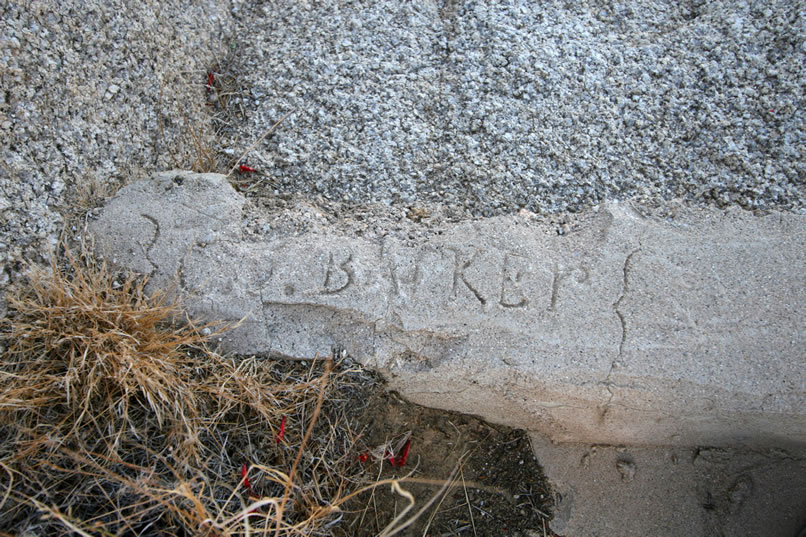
607 491
485 107
628 331
490 107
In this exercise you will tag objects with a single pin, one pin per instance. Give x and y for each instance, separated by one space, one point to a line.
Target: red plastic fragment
281 434
210 80
363 457
244 168
245 478
404 454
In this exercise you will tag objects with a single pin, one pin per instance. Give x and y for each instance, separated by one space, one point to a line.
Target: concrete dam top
630 329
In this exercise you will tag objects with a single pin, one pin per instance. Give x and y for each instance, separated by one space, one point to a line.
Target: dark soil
499 488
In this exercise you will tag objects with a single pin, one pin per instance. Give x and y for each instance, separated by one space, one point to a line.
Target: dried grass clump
117 420
89 354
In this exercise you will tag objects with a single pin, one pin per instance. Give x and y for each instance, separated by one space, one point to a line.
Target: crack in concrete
153 242
440 392
625 285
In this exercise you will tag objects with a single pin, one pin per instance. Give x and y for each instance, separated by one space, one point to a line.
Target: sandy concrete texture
629 331
670 491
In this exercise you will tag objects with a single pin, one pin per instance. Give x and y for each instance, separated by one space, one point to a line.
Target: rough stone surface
497 105
628 330
453 107
94 94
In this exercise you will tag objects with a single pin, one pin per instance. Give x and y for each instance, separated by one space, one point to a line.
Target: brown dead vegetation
119 420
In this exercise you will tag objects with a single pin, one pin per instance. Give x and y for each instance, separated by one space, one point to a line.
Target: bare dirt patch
498 488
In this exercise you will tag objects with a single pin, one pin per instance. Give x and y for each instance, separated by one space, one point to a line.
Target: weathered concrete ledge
630 331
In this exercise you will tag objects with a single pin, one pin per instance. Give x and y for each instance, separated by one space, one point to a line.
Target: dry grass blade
290 482
10 485
254 145
467 500
398 525
61 517
193 146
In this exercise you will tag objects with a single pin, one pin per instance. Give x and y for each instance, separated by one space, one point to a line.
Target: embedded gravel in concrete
441 110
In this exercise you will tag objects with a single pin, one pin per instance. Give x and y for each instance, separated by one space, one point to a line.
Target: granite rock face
630 330
94 93
553 106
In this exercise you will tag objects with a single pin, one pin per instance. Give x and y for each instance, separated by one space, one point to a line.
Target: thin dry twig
254 145
317 410
467 500
396 526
